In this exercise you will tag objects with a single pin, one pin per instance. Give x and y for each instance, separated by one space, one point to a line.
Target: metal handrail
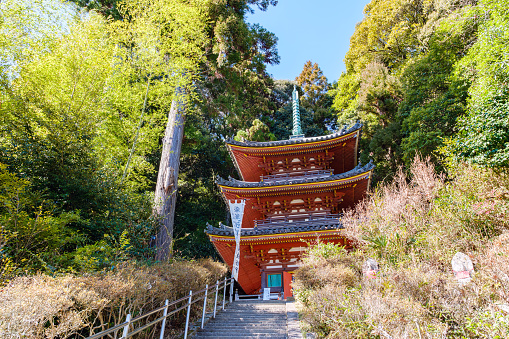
190 301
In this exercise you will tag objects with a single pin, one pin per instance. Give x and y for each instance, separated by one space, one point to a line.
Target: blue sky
317 30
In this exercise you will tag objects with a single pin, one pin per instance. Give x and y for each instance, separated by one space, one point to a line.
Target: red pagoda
295 191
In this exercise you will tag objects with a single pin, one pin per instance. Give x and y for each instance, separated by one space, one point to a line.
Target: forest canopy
85 96
86 88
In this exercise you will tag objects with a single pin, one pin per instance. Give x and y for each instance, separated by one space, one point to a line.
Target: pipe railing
128 331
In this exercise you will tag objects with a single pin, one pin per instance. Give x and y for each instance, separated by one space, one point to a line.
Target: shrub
413 227
42 306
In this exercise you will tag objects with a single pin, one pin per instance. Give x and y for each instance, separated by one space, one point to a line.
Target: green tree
400 79
70 113
379 93
434 96
257 132
32 235
281 120
483 136
388 34
314 84
316 97
50 114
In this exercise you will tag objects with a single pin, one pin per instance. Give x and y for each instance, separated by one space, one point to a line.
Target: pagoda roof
255 250
245 232
231 182
298 141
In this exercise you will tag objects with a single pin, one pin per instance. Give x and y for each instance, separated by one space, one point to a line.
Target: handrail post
126 327
224 291
215 301
231 289
204 306
188 313
163 325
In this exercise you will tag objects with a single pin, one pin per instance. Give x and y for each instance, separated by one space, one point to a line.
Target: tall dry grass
413 227
78 306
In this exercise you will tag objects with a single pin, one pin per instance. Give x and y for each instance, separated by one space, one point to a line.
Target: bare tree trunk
167 180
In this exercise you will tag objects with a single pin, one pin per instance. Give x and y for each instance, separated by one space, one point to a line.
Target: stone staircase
253 319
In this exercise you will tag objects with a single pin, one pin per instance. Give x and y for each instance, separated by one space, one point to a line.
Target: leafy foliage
483 136
401 79
314 84
69 116
258 132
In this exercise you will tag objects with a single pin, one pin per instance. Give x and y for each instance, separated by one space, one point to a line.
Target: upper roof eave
256 144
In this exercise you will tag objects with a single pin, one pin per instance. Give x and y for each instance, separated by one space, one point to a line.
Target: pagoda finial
297 130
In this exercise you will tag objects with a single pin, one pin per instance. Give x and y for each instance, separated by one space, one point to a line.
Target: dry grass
413 227
69 306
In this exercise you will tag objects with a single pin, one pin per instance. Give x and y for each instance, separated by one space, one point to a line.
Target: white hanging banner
236 262
237 213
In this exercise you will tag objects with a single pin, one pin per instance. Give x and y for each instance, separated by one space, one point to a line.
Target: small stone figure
462 267
370 268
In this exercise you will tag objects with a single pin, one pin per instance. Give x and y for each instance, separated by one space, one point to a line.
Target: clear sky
318 30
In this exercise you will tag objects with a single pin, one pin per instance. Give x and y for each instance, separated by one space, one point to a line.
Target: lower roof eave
281 237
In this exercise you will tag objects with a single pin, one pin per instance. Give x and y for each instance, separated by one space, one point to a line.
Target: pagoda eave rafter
279 238
295 188
293 145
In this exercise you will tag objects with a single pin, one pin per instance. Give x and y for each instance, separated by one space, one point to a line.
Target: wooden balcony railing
297 175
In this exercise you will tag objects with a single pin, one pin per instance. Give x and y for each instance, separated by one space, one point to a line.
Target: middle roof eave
356 173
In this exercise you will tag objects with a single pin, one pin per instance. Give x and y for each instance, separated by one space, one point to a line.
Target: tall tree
316 98
232 86
55 106
313 83
483 136
399 79
174 33
167 180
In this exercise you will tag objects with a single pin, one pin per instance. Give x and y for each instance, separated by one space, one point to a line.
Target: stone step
233 317
241 328
268 309
248 323
248 319
240 335
248 315
244 315
245 322
265 312
219 336
255 309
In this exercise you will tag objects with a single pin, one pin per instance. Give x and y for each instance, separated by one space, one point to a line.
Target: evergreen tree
314 85
315 95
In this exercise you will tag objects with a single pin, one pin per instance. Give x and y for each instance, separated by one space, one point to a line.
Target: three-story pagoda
295 191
